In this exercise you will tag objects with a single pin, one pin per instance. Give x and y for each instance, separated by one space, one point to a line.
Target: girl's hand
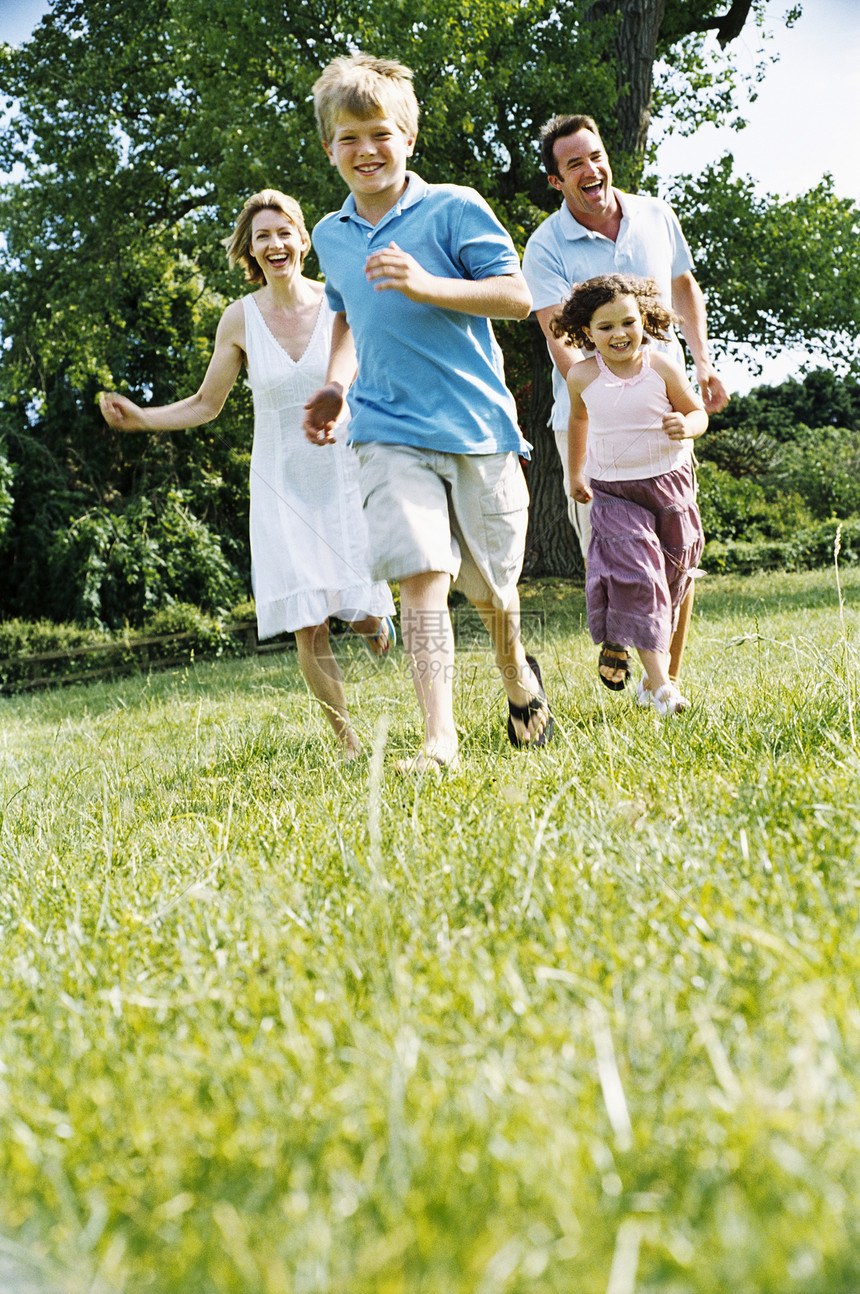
322 411
121 413
675 426
580 490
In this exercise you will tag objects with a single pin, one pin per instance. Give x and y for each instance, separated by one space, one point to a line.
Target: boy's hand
322 411
580 490
675 426
394 268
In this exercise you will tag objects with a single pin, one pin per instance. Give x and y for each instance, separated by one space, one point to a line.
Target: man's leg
428 640
679 638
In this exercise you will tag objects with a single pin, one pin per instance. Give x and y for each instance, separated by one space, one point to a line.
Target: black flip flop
525 712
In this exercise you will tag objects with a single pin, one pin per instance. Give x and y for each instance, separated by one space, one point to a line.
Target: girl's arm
224 366
325 406
577 432
688 419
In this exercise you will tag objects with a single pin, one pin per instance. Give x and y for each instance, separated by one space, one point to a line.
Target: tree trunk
552 547
635 52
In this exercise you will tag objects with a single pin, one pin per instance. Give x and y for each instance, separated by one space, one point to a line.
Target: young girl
633 414
308 534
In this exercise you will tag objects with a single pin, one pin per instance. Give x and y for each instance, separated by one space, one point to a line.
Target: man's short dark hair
559 128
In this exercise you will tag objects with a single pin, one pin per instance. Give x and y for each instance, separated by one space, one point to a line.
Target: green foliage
274 1024
31 637
786 412
742 508
128 564
45 650
776 272
7 475
773 490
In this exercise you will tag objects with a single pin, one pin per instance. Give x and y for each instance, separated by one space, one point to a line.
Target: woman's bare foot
350 746
379 634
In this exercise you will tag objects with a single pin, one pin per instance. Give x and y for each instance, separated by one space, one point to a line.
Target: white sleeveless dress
308 532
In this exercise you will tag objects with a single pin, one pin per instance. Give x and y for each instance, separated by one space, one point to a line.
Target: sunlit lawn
579 1022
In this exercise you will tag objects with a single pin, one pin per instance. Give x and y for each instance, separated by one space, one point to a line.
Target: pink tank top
626 441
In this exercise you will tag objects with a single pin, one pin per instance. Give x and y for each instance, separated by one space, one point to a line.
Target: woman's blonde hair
239 243
365 87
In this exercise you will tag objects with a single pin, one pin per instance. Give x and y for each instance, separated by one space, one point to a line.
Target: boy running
418 270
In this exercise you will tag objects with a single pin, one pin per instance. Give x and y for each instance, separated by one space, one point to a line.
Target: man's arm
501 296
689 304
563 354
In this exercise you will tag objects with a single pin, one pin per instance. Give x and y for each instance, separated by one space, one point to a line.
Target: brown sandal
616 657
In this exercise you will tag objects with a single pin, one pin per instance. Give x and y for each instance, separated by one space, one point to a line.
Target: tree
141 129
777 273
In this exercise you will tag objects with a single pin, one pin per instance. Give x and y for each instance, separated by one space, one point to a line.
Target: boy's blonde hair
239 243
365 87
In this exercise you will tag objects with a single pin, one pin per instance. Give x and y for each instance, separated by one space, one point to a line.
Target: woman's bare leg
322 675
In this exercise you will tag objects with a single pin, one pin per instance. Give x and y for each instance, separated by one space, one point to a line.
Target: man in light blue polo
601 230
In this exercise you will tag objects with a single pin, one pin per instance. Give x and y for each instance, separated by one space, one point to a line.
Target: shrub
806 550
744 509
111 568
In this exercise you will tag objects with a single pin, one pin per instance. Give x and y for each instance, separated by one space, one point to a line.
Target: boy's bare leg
428 640
323 677
679 638
520 684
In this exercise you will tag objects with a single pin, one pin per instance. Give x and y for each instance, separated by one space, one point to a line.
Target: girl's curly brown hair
578 310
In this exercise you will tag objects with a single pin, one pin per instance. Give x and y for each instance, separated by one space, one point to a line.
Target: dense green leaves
137 132
776 272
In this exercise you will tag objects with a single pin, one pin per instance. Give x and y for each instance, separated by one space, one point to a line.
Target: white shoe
667 700
643 693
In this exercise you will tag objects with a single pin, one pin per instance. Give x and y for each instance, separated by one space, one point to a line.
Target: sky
803 124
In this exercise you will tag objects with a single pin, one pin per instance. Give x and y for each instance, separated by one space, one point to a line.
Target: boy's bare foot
433 761
350 747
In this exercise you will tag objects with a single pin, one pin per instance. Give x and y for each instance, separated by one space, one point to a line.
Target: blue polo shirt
427 377
562 252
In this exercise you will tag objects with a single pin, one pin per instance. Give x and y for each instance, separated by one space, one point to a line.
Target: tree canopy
136 133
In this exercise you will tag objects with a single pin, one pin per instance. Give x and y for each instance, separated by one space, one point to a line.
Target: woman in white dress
308 536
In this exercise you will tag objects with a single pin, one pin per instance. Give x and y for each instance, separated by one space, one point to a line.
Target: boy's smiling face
370 154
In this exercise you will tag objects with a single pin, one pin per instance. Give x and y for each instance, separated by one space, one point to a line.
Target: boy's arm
502 296
120 412
325 406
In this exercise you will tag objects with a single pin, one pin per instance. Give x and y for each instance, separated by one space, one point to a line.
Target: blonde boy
418 271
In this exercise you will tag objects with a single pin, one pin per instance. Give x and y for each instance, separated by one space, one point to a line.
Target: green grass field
579 1022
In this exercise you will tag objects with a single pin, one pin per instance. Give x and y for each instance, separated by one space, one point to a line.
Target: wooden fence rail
124 657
